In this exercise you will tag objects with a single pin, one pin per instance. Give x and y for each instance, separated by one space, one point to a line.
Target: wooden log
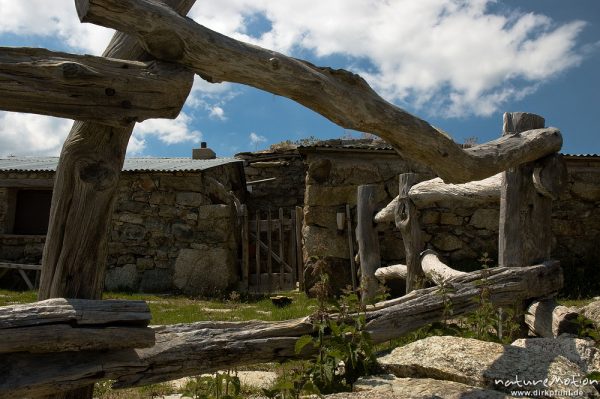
64 337
550 176
525 235
86 180
192 349
435 269
81 312
368 241
292 248
341 96
351 247
392 272
548 319
84 87
407 221
435 192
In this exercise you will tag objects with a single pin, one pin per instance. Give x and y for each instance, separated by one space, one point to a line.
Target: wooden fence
272 250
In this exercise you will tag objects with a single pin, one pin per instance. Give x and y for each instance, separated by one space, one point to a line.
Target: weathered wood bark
435 192
80 312
436 270
550 176
407 221
342 97
368 241
87 175
548 319
525 235
84 87
63 338
392 272
184 350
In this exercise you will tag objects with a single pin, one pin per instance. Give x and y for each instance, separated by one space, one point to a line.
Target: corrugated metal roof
32 164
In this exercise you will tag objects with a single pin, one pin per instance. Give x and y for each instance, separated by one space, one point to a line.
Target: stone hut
174 226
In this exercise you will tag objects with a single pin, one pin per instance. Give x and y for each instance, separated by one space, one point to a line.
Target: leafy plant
220 386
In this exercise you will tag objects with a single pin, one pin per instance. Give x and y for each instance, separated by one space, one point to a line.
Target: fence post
525 234
351 246
245 246
281 255
258 282
292 248
407 221
270 250
299 257
368 241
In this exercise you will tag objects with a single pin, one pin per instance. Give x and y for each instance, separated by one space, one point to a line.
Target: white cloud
217 112
28 134
447 57
256 139
211 97
56 19
166 130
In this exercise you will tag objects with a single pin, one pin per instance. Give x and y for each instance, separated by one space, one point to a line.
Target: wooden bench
21 269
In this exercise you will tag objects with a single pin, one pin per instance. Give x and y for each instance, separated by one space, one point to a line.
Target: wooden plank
26 279
407 221
21 266
26 183
257 250
270 250
287 225
245 248
351 246
525 235
205 347
276 257
341 96
85 87
281 253
292 249
64 337
299 256
368 241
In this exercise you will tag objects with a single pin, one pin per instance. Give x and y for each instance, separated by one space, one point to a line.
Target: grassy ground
179 309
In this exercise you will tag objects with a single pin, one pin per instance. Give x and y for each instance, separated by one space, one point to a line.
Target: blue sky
458 64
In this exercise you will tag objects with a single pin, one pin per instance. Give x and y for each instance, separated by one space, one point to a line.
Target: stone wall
460 234
170 231
331 182
286 166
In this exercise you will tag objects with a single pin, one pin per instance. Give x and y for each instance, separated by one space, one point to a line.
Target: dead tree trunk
548 319
184 350
342 97
407 221
84 87
87 175
368 241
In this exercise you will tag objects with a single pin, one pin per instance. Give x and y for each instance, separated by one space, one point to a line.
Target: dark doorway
32 211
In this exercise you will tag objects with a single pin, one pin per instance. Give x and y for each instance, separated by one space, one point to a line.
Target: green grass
169 309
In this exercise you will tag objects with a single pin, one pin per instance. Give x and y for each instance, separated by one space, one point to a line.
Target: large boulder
390 387
489 365
205 271
592 312
582 352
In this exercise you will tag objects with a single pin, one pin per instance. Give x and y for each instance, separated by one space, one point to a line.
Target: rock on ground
582 352
390 387
592 312
485 364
